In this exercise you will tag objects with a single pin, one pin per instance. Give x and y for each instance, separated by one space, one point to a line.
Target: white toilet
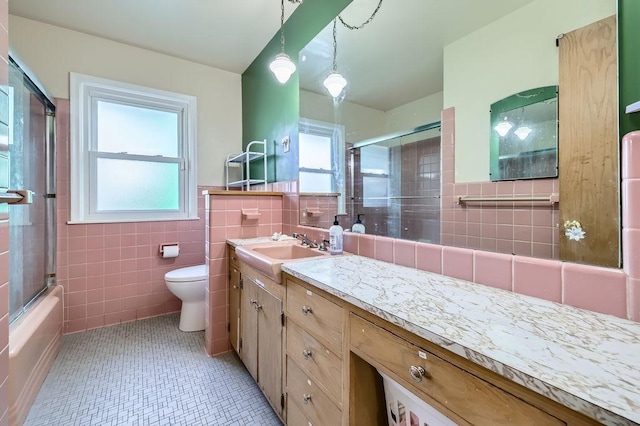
189 285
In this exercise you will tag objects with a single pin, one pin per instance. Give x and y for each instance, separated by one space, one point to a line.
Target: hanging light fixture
503 127
522 132
335 82
282 66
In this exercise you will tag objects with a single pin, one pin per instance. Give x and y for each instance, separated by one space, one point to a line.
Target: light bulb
503 128
522 132
334 84
282 66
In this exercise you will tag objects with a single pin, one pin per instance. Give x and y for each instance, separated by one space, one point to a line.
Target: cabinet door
249 324
270 348
588 143
234 308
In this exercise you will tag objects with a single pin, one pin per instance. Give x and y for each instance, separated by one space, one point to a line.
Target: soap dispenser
358 227
335 237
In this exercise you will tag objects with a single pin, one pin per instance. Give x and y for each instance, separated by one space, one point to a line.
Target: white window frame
337 134
85 92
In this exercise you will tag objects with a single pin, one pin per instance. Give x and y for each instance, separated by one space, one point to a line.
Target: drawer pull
417 373
306 310
306 354
306 398
257 307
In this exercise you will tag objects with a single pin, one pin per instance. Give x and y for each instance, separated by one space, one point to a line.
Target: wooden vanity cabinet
315 345
334 351
261 334
234 300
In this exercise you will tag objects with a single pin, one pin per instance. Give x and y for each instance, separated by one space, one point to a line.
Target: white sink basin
268 257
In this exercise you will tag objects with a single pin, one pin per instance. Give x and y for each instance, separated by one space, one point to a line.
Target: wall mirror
524 135
444 55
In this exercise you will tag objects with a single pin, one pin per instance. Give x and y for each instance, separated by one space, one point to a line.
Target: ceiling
229 34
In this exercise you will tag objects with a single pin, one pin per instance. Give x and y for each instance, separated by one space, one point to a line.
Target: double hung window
132 152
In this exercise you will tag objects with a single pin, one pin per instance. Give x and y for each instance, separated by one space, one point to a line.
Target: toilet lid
191 273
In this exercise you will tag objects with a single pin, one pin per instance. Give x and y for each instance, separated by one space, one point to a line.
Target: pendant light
335 82
522 132
503 127
282 66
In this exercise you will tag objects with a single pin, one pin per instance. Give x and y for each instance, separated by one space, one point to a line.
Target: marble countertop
587 361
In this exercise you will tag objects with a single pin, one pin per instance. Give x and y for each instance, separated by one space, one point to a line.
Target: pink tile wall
318 210
4 227
225 221
610 291
113 272
522 228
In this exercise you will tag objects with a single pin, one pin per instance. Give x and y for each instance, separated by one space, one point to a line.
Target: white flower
574 233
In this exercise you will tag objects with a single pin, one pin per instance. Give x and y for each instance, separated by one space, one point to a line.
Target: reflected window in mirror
524 135
321 159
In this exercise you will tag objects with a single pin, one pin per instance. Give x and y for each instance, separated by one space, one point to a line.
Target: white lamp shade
282 66
503 128
522 132
334 84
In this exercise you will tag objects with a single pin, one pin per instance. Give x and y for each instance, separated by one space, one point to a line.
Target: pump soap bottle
358 227
335 237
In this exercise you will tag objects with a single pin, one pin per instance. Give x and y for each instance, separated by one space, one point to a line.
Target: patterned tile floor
147 373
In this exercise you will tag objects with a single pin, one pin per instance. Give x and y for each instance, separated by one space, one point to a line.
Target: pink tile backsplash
493 269
457 262
384 249
538 278
429 257
405 253
597 289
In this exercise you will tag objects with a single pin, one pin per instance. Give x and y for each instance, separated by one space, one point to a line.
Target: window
133 152
374 167
321 161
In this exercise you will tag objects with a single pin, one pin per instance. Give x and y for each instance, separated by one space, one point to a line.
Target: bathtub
34 341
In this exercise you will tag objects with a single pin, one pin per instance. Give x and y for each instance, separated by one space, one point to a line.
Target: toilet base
192 316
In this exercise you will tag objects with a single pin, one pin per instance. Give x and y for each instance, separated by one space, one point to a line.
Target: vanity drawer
314 404
466 395
317 315
315 359
295 417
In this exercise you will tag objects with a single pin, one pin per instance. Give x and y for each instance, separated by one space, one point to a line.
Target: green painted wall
270 110
629 62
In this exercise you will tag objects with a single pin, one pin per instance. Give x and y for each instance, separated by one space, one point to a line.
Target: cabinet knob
253 302
257 307
306 310
235 287
417 373
306 354
306 398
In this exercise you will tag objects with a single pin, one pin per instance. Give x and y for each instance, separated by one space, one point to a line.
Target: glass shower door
31 226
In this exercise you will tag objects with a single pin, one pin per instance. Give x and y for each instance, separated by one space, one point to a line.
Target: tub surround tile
582 359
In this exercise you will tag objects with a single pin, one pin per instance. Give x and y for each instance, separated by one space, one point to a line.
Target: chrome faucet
305 240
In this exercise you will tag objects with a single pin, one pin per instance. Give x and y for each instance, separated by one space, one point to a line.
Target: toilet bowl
189 285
